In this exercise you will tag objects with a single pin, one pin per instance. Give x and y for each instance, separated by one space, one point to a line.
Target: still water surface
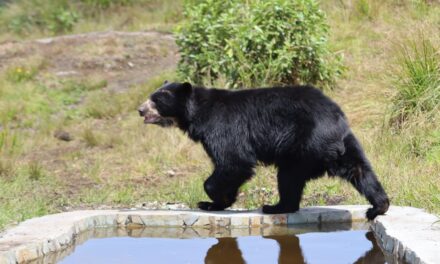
355 246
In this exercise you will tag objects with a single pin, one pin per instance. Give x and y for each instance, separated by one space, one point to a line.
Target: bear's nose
141 112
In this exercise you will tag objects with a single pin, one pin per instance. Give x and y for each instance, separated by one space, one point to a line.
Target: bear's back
270 121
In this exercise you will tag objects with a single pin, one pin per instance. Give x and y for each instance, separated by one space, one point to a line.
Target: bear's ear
186 87
165 82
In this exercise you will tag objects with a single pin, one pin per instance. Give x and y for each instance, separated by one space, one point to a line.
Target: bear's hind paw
278 209
208 206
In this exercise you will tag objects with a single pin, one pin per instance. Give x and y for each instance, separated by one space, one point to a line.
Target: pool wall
404 233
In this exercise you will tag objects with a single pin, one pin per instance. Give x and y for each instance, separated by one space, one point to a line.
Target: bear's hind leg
291 183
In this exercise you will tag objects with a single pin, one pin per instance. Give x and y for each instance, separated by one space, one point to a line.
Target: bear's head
167 105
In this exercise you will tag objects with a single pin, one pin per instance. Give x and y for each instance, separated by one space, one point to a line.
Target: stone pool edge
405 232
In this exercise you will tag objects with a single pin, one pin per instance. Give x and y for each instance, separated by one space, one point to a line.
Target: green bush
61 20
417 81
256 42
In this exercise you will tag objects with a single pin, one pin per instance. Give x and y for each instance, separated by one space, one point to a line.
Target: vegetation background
70 137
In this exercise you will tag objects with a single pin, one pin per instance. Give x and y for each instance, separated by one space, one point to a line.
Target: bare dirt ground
121 58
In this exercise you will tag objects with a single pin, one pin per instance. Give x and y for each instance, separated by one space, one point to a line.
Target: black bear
298 129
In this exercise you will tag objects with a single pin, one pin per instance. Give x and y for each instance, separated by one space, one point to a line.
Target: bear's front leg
222 187
221 194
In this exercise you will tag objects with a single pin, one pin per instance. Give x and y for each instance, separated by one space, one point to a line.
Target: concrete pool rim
404 232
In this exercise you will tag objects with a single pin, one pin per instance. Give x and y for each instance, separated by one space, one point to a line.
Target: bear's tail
353 166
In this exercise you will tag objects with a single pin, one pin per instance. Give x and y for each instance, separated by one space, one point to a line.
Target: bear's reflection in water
158 245
228 251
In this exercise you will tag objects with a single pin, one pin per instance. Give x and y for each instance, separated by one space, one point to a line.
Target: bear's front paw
208 206
373 212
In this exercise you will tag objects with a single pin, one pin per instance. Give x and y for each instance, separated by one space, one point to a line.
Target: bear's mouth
159 120
151 115
152 119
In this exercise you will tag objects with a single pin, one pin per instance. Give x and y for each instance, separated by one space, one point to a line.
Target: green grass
25 195
36 18
116 160
417 80
40 174
90 137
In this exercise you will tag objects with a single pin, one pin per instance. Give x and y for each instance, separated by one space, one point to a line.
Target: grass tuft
90 137
21 74
35 171
7 169
9 142
417 81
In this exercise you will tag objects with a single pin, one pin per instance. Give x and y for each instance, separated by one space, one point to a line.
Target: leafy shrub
417 81
61 20
256 42
20 24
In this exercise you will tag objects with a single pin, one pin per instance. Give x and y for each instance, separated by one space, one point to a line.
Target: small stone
173 206
171 173
65 73
63 135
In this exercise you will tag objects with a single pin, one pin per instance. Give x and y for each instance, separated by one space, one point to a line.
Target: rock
63 135
175 206
65 73
171 173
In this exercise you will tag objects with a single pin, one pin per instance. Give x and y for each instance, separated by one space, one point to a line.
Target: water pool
290 244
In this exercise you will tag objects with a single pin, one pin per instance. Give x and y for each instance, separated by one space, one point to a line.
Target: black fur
298 129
